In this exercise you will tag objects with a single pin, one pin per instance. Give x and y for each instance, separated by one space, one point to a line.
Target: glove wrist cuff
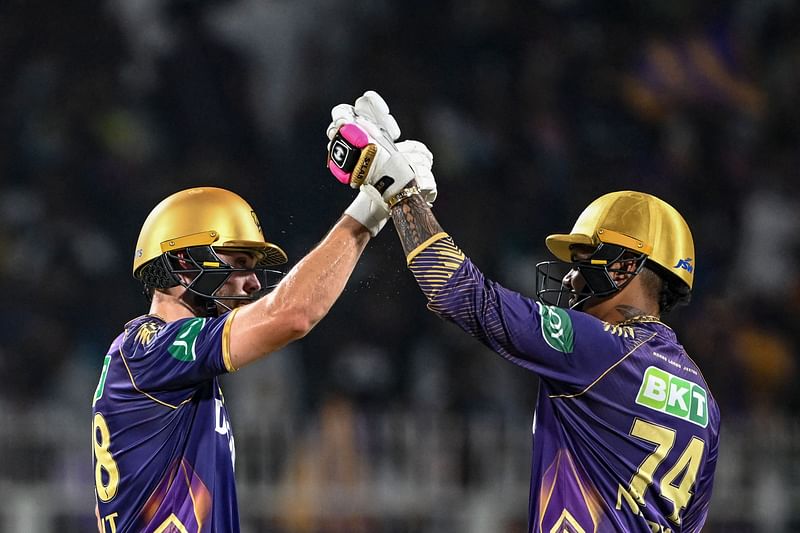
369 209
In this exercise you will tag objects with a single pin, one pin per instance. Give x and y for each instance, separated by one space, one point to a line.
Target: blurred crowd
532 109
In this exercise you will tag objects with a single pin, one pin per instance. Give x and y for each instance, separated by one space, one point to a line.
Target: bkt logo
685 264
666 393
339 153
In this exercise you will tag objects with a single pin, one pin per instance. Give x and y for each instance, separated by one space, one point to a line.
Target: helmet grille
155 275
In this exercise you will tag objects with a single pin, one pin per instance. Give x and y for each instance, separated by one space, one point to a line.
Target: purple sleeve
178 354
563 346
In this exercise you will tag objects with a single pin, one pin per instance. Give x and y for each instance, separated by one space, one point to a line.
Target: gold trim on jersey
172 520
642 319
590 498
191 495
226 342
609 369
430 240
543 505
149 336
140 391
434 268
619 330
198 493
566 519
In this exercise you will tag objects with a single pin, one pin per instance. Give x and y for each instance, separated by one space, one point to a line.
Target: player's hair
666 289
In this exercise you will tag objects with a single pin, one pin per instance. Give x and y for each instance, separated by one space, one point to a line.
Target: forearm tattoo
414 222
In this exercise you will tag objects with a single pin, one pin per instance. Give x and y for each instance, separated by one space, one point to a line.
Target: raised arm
359 155
520 329
303 297
415 223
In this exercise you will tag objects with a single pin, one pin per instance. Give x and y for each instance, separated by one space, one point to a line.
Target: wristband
402 195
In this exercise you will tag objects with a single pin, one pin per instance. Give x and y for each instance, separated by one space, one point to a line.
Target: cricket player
162 443
626 430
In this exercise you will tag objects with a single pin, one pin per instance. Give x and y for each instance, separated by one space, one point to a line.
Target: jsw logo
685 264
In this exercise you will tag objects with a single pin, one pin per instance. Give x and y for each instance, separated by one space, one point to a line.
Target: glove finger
391 127
331 130
419 163
373 107
424 178
340 115
334 126
375 133
372 104
343 111
416 150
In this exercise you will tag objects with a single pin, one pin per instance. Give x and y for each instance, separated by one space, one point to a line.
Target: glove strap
402 195
365 160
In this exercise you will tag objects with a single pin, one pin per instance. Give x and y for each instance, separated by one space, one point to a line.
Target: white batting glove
421 160
371 113
369 209
362 149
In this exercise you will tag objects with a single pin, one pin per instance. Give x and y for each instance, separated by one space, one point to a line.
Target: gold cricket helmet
203 216
638 222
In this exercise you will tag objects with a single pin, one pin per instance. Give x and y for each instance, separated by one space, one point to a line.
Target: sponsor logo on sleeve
101 385
182 348
675 396
557 328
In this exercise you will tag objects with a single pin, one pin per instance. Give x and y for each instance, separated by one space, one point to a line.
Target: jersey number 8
104 461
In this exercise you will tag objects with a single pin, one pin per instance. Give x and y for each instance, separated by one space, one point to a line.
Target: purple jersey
626 431
163 447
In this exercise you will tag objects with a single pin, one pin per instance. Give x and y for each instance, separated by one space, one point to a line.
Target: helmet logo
255 219
685 264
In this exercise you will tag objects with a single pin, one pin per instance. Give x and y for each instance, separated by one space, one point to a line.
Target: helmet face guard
202 272
596 272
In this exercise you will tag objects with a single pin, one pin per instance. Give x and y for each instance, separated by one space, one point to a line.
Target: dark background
385 418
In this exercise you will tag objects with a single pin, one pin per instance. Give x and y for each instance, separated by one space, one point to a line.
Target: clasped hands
363 152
